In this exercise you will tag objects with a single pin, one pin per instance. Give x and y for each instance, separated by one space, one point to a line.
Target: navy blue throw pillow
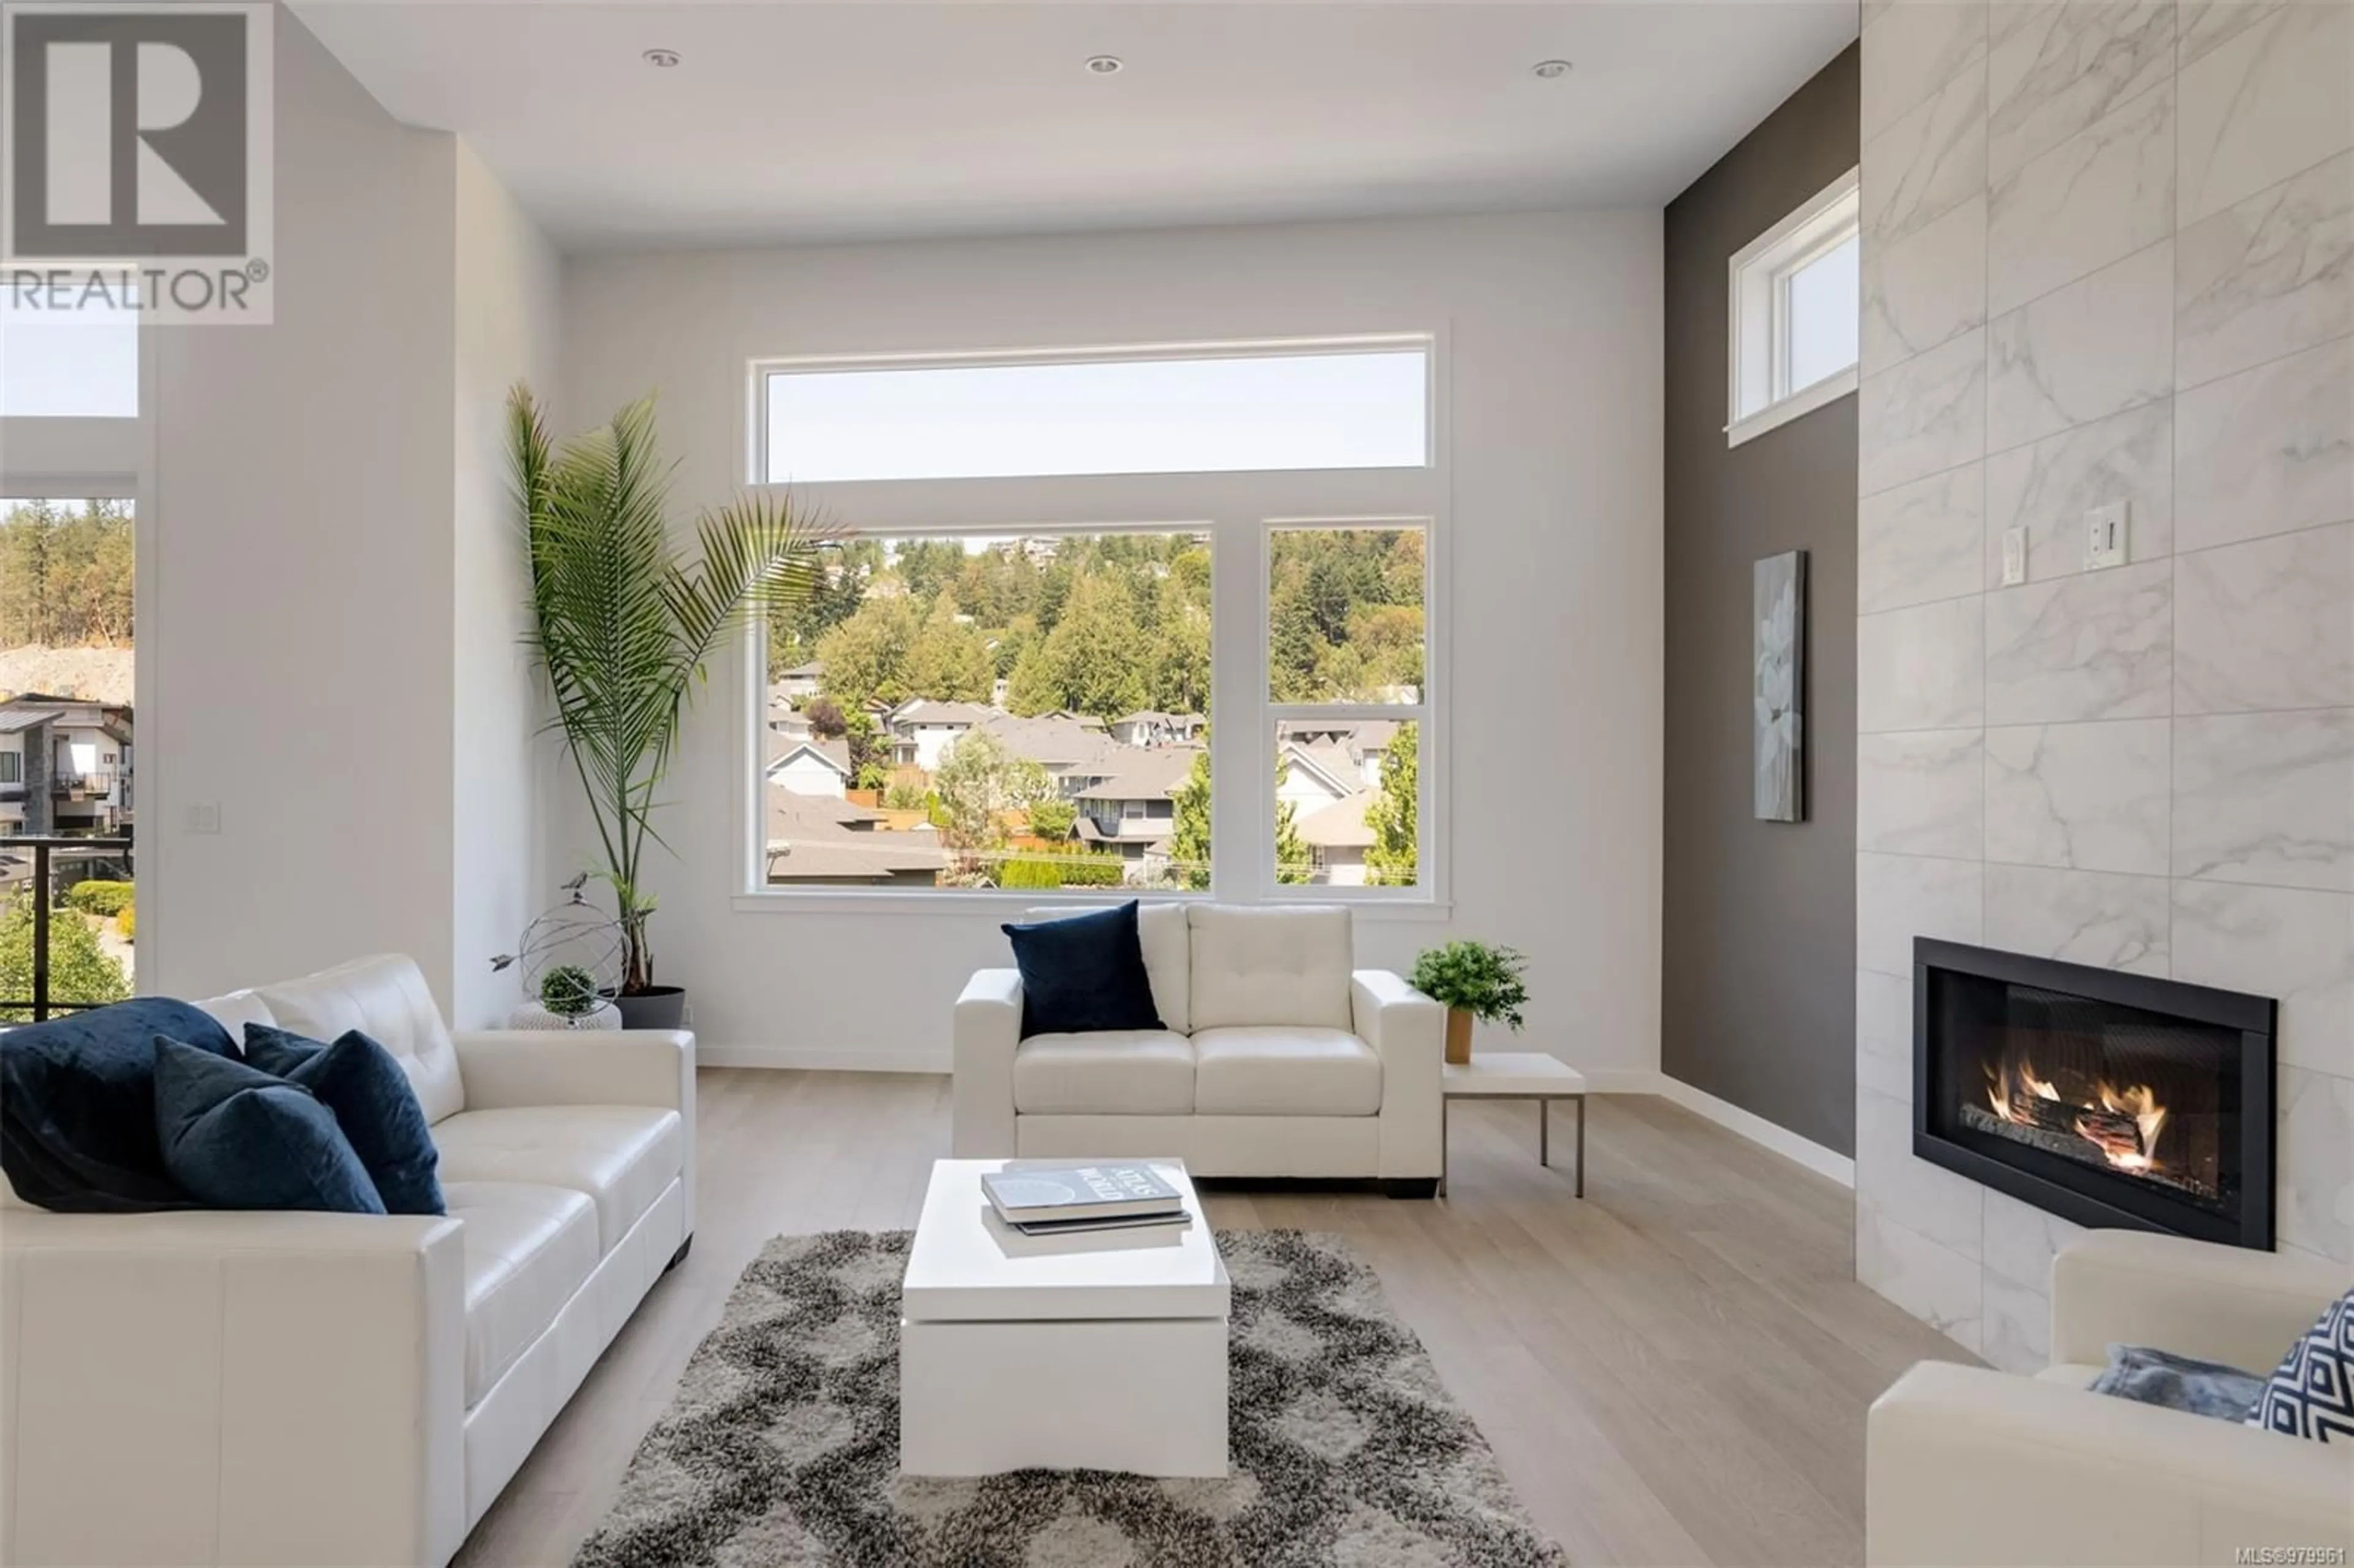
1084 974
236 1138
362 1083
78 1105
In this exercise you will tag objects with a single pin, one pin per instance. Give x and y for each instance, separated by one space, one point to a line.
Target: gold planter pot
1458 1036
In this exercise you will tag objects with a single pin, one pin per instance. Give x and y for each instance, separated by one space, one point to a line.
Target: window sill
1829 389
994 903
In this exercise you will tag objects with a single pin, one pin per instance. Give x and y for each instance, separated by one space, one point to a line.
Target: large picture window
1014 684
985 711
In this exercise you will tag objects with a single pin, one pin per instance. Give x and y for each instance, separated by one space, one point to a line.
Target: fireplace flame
2122 1123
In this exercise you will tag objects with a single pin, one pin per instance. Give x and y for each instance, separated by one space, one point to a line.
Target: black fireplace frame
2256 1018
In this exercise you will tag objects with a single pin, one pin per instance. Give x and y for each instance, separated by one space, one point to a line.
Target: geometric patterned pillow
2312 1394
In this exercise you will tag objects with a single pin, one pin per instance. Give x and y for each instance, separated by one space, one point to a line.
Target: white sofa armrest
507 1068
2195 1299
1408 1032
209 1387
988 1030
1970 1465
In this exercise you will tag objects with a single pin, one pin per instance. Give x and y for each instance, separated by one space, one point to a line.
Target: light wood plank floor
1674 1370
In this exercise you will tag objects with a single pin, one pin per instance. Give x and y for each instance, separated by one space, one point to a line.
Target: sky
1140 416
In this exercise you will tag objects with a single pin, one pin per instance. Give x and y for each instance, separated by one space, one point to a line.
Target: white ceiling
800 123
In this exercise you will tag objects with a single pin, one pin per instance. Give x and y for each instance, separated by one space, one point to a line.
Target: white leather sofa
215 1387
1278 1058
1968 1466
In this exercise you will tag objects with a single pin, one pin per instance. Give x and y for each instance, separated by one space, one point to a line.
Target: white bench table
1516 1075
1105 1351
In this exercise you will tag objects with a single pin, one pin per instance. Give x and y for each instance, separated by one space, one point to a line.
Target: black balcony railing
36 868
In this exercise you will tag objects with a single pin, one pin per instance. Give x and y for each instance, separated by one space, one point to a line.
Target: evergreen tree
1030 686
1094 661
866 655
1326 592
1189 834
1392 815
949 662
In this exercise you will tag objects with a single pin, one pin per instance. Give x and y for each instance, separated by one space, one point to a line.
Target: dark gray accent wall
1758 976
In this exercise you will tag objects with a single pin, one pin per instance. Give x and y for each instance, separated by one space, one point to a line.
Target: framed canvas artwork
1779 613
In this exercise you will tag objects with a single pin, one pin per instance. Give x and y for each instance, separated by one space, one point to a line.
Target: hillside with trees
65 574
1103 624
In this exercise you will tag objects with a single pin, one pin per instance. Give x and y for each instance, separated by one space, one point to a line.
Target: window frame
1757 314
1238 511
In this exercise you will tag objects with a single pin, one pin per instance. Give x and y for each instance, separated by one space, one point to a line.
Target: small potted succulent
1472 979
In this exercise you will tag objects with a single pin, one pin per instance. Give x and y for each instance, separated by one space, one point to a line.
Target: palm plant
623 621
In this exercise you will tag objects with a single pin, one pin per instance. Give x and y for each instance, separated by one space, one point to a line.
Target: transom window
64 357
1338 405
987 695
1796 298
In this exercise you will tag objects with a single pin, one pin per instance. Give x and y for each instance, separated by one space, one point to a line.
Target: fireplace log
2114 1131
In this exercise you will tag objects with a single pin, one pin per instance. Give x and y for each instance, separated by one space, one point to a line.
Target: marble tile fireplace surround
2108 258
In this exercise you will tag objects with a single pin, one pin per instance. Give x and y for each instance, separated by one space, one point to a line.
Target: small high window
1795 301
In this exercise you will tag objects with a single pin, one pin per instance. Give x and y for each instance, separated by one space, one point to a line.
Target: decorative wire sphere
570 960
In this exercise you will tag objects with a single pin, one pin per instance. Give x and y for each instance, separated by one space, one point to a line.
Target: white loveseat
1278 1058
1966 1466
215 1387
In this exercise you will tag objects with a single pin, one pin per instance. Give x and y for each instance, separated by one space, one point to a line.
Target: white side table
1516 1075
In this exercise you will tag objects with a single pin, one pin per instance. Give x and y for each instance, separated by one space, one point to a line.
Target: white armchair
1277 1058
1970 1465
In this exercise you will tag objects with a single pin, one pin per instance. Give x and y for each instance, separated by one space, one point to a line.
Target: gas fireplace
2110 1099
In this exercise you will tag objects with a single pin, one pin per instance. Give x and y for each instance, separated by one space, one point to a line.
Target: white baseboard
1758 1130
805 1060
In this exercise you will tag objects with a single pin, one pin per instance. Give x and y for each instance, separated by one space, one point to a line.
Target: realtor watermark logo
135 146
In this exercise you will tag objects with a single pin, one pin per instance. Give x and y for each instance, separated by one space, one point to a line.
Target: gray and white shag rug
783 1445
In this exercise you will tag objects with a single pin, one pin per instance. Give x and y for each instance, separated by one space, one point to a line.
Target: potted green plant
1472 979
623 621
568 991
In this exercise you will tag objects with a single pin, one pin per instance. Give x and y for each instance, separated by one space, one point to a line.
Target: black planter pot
662 1007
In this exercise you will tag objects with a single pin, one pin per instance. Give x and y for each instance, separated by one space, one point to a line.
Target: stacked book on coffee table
1083 1197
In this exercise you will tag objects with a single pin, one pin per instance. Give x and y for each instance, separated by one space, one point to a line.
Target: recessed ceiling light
1550 69
661 59
1104 65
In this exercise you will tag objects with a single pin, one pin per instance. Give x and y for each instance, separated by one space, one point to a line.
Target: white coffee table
1100 1352
1516 1075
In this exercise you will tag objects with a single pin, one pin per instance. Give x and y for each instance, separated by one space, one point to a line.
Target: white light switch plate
2014 556
204 818
2105 536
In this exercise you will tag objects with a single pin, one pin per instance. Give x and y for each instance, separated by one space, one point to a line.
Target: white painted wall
331 578
299 634
1552 326
507 282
